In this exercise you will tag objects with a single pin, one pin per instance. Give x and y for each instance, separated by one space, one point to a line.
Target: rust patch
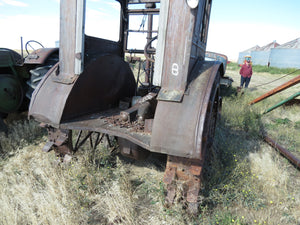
189 172
133 126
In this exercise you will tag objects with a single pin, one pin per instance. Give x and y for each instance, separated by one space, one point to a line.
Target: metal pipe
143 1
149 6
282 102
150 11
143 31
293 159
139 51
22 54
280 88
146 50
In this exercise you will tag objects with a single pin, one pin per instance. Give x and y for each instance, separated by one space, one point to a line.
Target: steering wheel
28 43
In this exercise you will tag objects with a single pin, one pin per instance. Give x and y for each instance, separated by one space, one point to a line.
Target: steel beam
282 102
280 88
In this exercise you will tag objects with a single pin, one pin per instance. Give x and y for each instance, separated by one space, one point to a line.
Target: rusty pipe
146 51
287 154
149 37
280 88
282 102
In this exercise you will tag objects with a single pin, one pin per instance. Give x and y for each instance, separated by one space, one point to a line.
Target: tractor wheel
11 93
39 72
189 171
212 115
37 75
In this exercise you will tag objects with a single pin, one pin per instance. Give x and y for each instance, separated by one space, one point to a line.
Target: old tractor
173 111
19 75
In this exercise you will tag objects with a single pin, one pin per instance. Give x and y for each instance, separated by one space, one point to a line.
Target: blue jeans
245 80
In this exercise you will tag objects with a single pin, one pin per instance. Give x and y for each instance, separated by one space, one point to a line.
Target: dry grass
245 181
21 132
34 190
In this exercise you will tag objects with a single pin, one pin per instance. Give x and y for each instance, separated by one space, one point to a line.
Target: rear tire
212 114
11 93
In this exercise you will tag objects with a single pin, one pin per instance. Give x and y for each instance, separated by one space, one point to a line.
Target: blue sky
279 12
235 25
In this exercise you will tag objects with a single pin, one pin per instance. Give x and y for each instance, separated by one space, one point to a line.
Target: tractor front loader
172 111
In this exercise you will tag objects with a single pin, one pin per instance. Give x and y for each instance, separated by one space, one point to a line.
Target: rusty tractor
19 75
172 111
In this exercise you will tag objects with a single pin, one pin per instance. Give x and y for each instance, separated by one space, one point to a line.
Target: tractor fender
40 56
181 129
100 87
9 57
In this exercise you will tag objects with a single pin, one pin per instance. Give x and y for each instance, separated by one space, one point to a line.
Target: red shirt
246 70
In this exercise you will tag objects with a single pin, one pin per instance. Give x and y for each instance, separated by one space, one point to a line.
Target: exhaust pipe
22 55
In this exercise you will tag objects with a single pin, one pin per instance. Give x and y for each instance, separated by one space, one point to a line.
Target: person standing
246 73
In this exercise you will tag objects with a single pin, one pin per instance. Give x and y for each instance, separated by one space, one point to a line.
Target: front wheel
188 170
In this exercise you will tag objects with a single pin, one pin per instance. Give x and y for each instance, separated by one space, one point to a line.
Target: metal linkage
280 88
61 141
93 145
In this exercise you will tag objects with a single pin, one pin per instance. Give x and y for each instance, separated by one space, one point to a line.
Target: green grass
265 69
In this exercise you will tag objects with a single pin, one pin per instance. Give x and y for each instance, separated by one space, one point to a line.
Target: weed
297 125
282 121
264 69
244 181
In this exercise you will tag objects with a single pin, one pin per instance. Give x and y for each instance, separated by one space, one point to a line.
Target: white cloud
99 24
94 12
114 5
47 32
15 3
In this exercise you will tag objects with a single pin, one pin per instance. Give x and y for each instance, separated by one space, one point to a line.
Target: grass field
245 181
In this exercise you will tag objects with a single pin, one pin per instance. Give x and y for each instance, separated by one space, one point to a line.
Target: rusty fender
39 56
102 84
179 128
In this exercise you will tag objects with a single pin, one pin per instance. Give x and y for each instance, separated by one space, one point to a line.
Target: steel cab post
173 111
